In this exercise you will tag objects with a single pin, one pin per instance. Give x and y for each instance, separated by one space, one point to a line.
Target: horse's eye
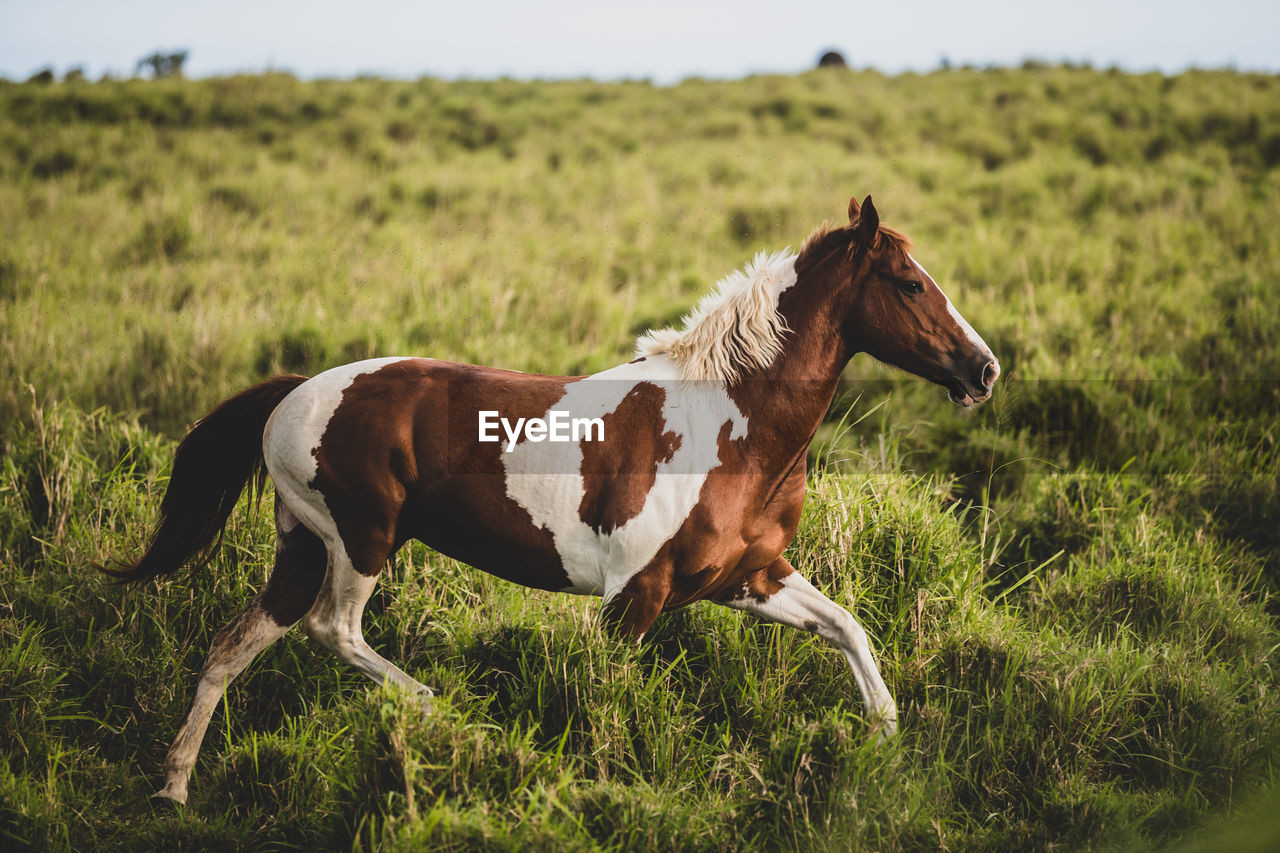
912 287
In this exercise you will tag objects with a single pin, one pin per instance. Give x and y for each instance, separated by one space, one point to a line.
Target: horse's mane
735 328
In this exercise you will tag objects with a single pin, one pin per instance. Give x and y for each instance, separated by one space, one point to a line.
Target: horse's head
900 316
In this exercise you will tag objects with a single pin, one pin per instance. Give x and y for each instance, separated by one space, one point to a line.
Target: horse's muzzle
965 392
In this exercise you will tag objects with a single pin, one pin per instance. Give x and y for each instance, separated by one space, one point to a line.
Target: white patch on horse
974 338
547 481
285 520
293 434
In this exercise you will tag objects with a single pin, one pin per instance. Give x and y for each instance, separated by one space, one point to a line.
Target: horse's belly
471 521
491 532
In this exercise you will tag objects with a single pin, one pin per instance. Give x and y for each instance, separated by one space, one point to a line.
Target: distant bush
166 238
832 59
300 350
53 164
752 225
235 199
164 65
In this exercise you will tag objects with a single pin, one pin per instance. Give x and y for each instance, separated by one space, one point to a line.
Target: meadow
1074 589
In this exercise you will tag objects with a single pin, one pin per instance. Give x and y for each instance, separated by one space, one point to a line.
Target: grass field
1074 589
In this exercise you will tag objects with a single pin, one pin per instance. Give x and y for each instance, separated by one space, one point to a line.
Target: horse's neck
793 393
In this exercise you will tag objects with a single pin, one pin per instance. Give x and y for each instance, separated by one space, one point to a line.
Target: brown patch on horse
400 460
763 583
644 596
618 473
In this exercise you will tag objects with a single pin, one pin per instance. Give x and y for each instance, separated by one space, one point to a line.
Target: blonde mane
734 329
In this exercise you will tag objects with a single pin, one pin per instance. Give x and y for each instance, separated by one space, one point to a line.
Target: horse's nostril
990 374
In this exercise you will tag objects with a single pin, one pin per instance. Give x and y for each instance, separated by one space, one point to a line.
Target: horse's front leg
778 593
630 611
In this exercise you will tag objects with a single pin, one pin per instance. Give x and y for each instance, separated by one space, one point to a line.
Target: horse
685 484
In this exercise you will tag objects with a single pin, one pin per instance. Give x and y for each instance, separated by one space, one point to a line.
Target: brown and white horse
685 484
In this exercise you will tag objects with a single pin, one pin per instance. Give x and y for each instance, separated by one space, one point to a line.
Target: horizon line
1027 63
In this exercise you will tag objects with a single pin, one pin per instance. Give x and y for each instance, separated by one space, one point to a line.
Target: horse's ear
868 222
853 210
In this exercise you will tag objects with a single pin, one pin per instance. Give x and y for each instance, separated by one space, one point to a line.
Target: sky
660 40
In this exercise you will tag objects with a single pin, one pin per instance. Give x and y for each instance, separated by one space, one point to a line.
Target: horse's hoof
885 728
172 794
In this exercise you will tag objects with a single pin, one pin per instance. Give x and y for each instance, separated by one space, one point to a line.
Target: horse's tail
212 466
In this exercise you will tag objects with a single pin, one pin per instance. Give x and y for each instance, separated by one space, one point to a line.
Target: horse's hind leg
335 620
285 599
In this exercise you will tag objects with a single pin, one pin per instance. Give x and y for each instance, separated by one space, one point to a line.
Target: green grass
1073 589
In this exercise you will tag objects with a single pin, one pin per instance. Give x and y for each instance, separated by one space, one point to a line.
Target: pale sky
663 40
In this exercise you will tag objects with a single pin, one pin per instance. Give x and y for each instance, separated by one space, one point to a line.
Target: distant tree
163 64
45 75
73 75
832 59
